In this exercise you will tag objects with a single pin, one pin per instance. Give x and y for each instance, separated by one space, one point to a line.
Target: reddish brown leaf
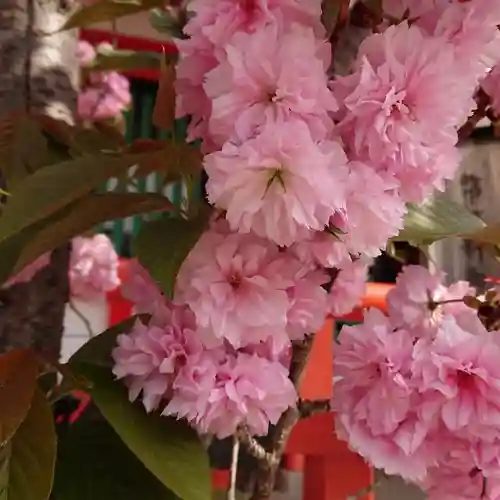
18 374
164 110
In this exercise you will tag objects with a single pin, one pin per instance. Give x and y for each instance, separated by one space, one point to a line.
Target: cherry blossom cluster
93 267
104 95
310 176
418 392
219 355
412 88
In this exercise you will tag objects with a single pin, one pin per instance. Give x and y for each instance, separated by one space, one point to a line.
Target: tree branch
252 445
268 467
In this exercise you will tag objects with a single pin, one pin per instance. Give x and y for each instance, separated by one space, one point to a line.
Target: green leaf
97 351
437 219
85 214
177 237
18 374
167 24
108 10
27 461
123 60
170 449
52 188
94 464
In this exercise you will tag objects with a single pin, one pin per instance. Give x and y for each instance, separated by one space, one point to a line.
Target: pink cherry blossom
374 210
491 85
349 287
195 61
275 349
403 103
409 302
138 287
308 303
460 374
237 288
219 392
93 266
107 97
150 355
322 248
471 28
219 20
248 91
85 53
413 8
455 479
420 300
373 364
279 184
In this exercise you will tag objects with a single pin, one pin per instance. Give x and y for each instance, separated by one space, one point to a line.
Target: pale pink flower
196 59
138 287
453 480
274 349
217 393
457 477
374 210
420 300
308 303
149 357
409 302
471 28
322 248
219 20
491 85
349 287
372 365
85 52
280 184
398 9
248 90
237 288
403 103
458 375
93 268
27 273
107 97
405 452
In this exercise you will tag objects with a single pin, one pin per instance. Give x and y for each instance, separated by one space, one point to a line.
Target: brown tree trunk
38 73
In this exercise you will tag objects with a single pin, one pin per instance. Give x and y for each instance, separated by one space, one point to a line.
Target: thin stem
436 303
231 492
84 319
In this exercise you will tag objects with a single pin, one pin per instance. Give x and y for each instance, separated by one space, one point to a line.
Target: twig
252 445
84 319
231 492
309 408
483 101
